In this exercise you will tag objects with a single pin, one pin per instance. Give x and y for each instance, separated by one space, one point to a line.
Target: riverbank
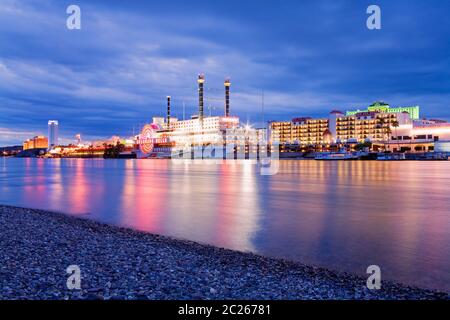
117 263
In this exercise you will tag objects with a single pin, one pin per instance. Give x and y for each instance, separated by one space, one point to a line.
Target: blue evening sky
309 57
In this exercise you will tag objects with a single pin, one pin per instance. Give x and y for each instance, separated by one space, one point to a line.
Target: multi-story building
38 142
374 126
53 127
303 131
307 131
281 131
371 126
420 136
380 125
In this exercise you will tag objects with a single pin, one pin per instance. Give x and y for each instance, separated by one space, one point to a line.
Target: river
340 215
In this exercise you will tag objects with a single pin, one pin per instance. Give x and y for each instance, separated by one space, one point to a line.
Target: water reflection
343 215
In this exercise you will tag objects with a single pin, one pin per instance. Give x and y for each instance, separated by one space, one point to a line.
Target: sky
308 57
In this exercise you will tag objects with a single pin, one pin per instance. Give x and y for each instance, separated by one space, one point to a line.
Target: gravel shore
118 263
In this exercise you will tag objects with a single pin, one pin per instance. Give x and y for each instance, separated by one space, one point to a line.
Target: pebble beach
122 264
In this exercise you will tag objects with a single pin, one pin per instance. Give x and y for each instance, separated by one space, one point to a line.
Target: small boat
433 157
391 157
340 155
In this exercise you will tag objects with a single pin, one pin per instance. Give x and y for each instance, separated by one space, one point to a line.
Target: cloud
115 72
15 137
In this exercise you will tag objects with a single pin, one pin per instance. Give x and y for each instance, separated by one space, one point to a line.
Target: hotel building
38 142
53 127
393 129
303 131
420 136
374 126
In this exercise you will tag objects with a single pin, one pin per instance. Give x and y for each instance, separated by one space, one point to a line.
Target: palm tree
382 123
395 124
388 134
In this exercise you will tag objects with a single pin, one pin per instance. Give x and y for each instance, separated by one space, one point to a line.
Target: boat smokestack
168 112
201 81
227 97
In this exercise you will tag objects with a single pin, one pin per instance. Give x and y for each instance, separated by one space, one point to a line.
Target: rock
92 296
120 264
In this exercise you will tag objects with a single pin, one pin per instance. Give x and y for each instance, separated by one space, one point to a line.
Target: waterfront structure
169 134
168 112
10 151
364 126
227 84
303 131
37 142
373 126
200 81
53 127
420 136
199 130
379 125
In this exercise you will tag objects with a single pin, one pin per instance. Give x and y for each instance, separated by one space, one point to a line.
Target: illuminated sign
433 126
148 138
414 112
229 119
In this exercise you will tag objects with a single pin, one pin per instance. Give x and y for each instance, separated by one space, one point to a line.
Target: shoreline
211 159
121 263
214 159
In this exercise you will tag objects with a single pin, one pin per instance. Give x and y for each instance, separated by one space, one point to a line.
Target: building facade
38 142
303 131
53 128
215 132
373 126
196 131
420 136
393 129
414 112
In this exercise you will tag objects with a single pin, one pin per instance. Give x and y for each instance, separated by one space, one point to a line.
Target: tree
113 151
395 124
363 146
382 126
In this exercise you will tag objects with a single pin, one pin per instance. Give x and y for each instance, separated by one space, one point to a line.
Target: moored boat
340 155
391 157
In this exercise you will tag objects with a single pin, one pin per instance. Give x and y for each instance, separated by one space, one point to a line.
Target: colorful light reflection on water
341 215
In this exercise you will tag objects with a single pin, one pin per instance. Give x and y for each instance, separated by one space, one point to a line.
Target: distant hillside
11 148
31 153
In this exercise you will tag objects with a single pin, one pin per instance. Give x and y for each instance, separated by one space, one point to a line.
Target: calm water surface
341 215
